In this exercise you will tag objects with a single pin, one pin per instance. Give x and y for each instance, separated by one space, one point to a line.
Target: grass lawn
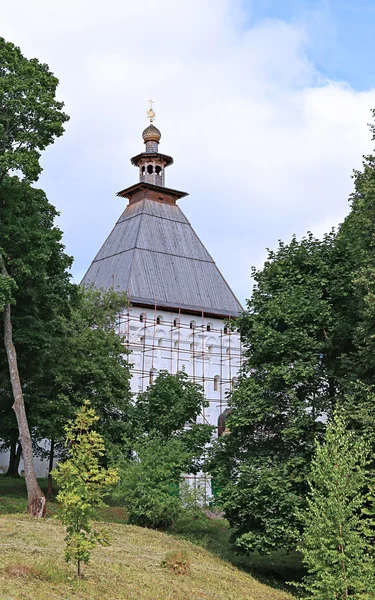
32 559
32 567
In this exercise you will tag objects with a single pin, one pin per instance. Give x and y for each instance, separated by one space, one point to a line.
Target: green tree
288 383
169 408
82 482
333 545
30 119
87 360
149 482
162 442
30 116
43 295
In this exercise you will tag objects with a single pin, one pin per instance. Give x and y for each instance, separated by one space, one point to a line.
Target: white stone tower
179 302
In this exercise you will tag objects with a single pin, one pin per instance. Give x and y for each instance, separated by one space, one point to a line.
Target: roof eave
127 192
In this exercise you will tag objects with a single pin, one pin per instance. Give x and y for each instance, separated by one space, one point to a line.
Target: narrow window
176 323
209 327
150 169
225 330
192 324
160 342
191 347
158 320
141 318
216 383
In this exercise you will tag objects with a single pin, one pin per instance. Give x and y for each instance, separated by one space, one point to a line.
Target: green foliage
149 482
30 116
87 361
288 382
82 482
158 448
38 285
333 545
170 403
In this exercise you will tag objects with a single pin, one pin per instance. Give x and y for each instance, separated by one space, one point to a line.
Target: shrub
82 482
149 483
177 561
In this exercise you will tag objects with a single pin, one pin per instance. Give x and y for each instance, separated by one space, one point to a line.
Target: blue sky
263 104
342 34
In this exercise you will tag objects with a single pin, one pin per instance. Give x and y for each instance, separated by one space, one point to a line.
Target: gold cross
151 112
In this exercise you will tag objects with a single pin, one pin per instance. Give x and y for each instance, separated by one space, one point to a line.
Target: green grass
203 535
32 567
215 535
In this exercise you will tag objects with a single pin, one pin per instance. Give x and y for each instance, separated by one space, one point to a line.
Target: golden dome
151 134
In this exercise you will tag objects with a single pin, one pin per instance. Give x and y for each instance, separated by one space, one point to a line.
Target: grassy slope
32 567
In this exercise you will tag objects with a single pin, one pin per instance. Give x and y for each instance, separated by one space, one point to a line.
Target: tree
333 545
30 116
169 408
43 295
149 482
162 441
30 119
87 360
288 384
82 482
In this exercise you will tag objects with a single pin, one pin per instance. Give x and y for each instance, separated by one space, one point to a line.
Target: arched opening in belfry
158 170
221 422
150 169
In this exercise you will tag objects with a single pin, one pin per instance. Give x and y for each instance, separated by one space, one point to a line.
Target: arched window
176 344
221 425
216 383
152 376
150 169
142 317
158 320
176 322
210 349
208 326
192 346
160 342
192 324
225 330
142 339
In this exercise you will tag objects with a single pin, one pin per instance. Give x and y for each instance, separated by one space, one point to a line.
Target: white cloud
264 144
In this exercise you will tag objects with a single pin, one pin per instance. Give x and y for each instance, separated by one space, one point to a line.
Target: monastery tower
179 302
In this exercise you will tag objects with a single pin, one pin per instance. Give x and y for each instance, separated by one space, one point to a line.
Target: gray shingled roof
154 254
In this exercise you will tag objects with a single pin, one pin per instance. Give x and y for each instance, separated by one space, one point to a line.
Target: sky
264 105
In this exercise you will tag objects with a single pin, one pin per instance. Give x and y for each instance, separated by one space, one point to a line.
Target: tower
179 302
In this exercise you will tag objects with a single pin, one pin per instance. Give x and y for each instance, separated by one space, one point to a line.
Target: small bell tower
151 163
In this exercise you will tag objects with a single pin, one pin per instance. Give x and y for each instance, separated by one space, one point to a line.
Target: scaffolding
204 346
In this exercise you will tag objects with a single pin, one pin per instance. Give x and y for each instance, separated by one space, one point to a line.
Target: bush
149 483
177 561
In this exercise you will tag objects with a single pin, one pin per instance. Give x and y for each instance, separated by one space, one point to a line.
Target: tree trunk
35 497
50 467
12 472
14 460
